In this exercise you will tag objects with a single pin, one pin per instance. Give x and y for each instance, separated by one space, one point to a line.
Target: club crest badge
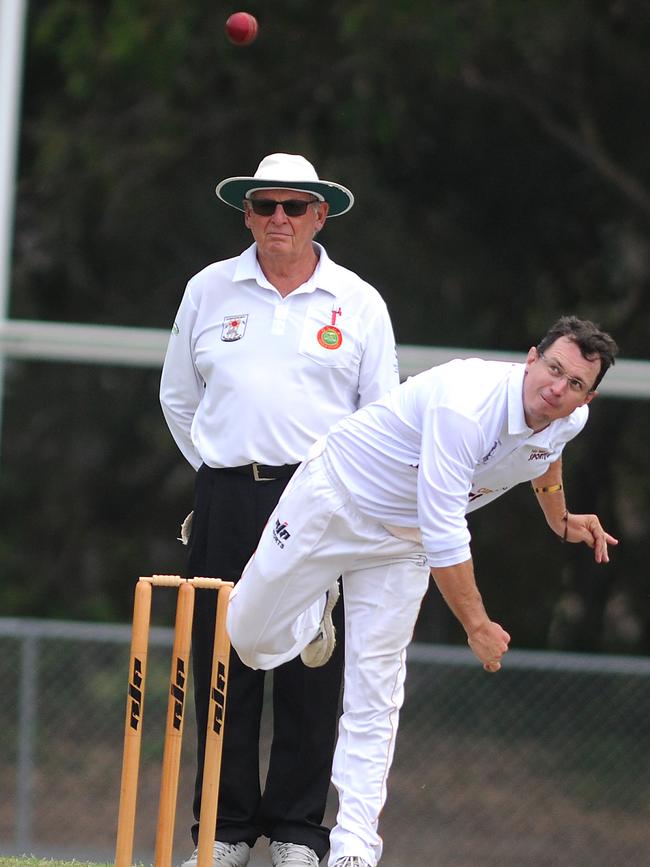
233 327
329 337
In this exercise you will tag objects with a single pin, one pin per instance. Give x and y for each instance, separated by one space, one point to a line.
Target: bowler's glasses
557 371
291 207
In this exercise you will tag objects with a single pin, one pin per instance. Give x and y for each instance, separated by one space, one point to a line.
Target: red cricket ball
241 28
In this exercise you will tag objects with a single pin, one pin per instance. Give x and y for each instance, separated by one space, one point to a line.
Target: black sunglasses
291 207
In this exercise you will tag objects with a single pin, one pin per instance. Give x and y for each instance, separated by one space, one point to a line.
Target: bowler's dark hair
591 341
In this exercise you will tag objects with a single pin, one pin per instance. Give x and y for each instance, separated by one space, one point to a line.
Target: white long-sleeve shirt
442 444
252 376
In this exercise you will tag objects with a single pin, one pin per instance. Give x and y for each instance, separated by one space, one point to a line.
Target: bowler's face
557 382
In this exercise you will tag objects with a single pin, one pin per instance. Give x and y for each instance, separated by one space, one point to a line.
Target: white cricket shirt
252 376
442 444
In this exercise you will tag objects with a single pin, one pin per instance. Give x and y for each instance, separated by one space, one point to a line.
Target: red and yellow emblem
329 337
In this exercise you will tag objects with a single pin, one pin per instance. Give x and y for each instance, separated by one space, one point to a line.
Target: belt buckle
256 474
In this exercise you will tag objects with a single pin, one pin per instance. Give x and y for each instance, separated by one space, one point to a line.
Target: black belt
262 472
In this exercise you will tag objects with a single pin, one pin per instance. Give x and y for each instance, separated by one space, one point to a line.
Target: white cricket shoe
351 861
321 647
293 855
223 855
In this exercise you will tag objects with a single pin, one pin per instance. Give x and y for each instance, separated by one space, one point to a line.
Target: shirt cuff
451 557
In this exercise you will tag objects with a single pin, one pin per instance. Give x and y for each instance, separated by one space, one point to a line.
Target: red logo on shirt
234 327
329 337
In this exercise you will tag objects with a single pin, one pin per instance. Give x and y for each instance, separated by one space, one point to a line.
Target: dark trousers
230 511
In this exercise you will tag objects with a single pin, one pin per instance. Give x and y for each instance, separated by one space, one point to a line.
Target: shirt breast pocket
327 342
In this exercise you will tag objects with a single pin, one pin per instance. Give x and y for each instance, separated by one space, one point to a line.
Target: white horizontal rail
628 377
427 654
93 344
145 347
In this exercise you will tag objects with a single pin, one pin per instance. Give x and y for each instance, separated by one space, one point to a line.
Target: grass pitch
41 862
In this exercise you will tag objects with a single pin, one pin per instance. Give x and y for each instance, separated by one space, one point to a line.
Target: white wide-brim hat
286 171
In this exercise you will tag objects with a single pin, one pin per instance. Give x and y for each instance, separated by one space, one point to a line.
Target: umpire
268 350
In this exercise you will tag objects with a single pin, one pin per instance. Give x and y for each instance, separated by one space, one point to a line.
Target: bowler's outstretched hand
588 529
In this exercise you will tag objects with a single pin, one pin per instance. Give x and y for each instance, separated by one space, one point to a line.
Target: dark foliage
497 151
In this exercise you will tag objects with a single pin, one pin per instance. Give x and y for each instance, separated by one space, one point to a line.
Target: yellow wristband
551 489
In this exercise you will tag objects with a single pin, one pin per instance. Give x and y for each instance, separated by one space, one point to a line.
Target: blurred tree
496 150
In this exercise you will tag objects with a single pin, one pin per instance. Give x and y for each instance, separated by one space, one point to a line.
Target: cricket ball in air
241 28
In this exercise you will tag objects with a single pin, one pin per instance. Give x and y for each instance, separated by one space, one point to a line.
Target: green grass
42 862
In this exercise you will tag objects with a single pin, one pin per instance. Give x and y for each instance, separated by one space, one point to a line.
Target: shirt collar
246 267
516 418
324 276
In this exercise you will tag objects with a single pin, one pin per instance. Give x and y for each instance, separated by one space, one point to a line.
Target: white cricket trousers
314 535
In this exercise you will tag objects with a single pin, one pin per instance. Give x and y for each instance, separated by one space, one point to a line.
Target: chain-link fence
546 763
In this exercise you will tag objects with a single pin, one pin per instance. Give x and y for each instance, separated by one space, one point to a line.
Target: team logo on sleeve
280 533
538 454
233 327
329 336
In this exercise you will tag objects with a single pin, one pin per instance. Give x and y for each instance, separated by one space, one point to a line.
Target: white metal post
12 34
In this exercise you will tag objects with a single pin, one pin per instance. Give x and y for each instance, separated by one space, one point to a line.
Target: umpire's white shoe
224 855
293 855
321 647
351 861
